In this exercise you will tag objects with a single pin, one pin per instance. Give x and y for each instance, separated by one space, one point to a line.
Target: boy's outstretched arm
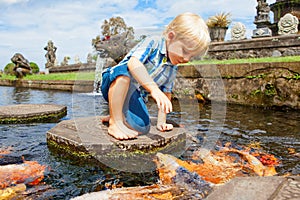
162 118
139 72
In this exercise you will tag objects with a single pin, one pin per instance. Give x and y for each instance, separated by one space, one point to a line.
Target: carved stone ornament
238 31
263 11
288 24
262 32
65 62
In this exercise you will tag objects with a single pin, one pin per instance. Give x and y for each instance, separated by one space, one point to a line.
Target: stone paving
28 113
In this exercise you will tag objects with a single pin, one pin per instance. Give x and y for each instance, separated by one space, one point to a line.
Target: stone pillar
262 20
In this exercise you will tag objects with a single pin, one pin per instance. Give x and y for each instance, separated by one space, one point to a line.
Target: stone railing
73 68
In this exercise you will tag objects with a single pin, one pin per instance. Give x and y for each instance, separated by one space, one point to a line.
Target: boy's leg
117 95
136 112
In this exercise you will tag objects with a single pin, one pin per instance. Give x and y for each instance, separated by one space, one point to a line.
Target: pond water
276 132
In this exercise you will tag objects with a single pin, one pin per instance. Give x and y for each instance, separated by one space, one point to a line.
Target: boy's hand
164 127
161 122
162 100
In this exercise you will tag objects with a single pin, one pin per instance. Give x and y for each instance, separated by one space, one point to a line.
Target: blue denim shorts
134 109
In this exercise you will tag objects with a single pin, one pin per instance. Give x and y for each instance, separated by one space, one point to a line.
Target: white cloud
12 1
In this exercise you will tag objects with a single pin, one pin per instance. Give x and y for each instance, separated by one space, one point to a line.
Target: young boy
150 67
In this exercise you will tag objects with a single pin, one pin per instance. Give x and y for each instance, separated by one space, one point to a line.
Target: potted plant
218 25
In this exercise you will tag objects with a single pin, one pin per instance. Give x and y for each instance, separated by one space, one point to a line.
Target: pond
276 132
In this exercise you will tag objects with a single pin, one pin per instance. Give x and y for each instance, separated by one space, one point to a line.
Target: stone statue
50 55
89 58
263 11
238 31
288 24
77 60
65 62
22 66
115 47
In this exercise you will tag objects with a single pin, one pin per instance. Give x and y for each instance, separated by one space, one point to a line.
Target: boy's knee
122 80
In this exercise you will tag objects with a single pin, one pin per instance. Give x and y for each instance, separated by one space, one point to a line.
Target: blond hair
190 27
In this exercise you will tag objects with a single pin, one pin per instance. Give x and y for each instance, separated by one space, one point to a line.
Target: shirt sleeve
166 78
144 49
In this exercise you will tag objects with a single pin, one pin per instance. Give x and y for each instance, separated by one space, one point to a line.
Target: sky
27 25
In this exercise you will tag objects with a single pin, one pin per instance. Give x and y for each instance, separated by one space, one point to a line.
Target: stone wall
78 85
256 84
255 48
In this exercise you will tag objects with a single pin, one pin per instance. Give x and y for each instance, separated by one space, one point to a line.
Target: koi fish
175 182
215 167
175 171
12 192
186 179
29 172
254 163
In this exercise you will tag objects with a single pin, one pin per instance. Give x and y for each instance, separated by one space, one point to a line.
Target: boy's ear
171 35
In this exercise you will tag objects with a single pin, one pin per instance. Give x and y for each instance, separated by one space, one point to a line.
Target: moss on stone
235 96
115 154
69 150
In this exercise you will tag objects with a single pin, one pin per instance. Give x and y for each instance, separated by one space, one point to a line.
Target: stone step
28 113
88 137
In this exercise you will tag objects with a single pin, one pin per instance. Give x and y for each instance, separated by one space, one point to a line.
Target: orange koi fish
29 172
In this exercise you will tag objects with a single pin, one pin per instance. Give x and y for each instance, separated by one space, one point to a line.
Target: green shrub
35 68
9 69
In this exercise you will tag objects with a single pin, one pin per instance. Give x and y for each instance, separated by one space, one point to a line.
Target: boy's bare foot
164 127
120 131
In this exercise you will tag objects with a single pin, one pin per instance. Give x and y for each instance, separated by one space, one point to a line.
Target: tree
115 26
112 27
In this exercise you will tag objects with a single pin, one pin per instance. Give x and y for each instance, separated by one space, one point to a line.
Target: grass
248 60
54 76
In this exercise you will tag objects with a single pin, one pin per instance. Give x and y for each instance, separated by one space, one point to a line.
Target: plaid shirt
152 53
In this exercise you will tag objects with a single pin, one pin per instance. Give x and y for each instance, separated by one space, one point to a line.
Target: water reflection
21 95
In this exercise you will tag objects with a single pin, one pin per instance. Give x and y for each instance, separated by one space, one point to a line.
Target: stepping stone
88 138
28 113
262 188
